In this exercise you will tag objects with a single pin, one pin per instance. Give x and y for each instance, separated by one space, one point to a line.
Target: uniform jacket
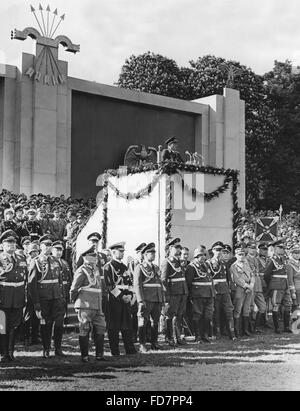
293 272
173 277
8 225
220 276
262 263
117 280
102 260
242 275
57 228
33 227
86 289
199 280
44 223
70 233
276 274
66 275
13 281
254 265
45 279
168 155
147 283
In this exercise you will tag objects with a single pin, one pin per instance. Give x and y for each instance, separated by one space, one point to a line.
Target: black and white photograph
149 198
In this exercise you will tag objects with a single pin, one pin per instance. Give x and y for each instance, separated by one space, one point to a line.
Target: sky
255 33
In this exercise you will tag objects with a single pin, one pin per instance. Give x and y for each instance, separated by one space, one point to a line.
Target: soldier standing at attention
244 279
118 284
86 292
201 294
134 307
176 292
46 290
13 279
221 282
277 281
149 291
171 153
32 226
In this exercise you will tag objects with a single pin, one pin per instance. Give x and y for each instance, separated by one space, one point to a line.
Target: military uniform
277 281
169 155
8 225
67 281
149 293
293 272
86 292
201 293
13 281
118 284
46 290
33 227
223 300
244 279
176 292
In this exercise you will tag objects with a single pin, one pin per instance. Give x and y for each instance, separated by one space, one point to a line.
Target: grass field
266 362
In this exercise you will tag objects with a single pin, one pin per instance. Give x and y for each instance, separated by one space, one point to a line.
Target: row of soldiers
108 294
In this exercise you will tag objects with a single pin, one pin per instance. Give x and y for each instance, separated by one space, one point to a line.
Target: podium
153 204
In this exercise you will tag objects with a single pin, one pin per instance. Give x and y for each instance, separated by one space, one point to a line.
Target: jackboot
246 321
154 338
237 328
143 339
113 338
257 323
180 341
230 325
5 358
128 342
99 346
174 335
276 322
84 348
206 327
169 333
196 326
44 336
58 335
286 322
11 343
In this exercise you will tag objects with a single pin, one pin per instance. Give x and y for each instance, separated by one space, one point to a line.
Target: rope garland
168 212
104 216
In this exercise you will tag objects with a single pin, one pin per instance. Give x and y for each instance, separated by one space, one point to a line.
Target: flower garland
168 213
170 168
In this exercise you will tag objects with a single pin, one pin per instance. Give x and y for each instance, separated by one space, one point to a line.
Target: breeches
281 298
223 303
242 304
151 311
91 319
203 307
53 311
177 306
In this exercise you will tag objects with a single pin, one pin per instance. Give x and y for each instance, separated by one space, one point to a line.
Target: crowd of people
218 293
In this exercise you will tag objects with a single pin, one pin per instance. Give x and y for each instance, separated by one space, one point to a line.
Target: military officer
221 282
258 296
244 279
57 252
13 280
149 292
46 290
8 223
119 286
201 293
277 282
86 292
176 292
32 226
262 262
171 153
134 306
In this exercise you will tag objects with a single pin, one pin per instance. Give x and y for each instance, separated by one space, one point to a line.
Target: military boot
11 344
246 321
237 328
257 323
5 357
58 335
44 335
196 326
154 338
231 330
206 326
286 322
276 322
180 341
84 348
142 340
99 346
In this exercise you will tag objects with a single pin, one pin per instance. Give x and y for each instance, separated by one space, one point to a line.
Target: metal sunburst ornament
46 66
232 72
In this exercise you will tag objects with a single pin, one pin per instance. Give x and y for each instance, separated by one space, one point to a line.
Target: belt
91 290
279 276
49 281
199 283
65 282
223 280
123 287
177 280
152 285
102 277
5 284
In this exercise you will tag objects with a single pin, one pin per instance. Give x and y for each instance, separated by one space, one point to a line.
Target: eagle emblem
139 155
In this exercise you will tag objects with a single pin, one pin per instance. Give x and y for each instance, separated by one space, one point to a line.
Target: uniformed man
93 241
32 225
293 271
171 153
244 279
119 286
176 292
46 290
57 225
149 292
134 306
69 235
201 294
57 252
223 301
86 292
8 223
277 282
13 280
